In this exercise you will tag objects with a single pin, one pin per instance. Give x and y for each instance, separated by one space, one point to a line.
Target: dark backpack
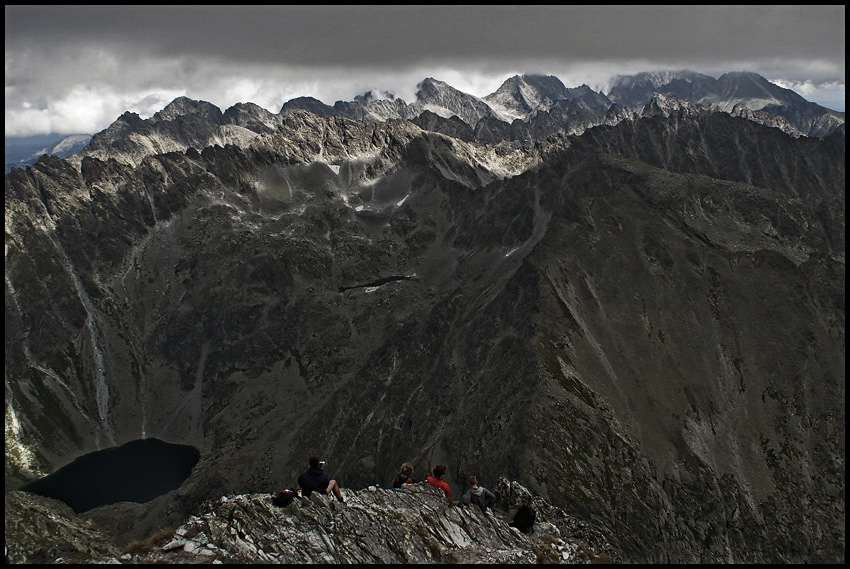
524 519
402 478
284 498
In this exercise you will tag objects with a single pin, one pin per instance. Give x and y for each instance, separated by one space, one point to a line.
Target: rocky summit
413 524
637 314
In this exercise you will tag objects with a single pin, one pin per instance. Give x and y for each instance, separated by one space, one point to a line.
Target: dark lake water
138 471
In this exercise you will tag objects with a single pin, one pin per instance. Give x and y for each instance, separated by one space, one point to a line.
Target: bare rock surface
413 524
43 530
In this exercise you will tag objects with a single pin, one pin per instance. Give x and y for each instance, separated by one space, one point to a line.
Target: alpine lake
137 471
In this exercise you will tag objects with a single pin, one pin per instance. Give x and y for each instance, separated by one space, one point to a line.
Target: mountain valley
632 304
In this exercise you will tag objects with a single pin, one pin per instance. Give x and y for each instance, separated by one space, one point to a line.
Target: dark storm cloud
401 35
77 68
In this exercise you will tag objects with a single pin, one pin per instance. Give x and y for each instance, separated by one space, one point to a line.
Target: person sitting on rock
437 480
405 476
314 479
478 495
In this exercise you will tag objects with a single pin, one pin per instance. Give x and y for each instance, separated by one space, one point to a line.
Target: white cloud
86 89
71 66
82 109
830 94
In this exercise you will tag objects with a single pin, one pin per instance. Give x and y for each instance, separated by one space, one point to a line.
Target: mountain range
633 306
729 92
526 107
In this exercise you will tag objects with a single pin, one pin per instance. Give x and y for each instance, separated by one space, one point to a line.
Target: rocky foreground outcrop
415 524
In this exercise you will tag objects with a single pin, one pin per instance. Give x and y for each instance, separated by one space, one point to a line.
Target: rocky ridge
44 530
524 108
414 524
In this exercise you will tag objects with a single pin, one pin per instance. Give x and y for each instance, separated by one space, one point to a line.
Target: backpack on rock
284 498
524 519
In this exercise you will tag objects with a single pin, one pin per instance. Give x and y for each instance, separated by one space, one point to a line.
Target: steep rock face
657 305
682 138
106 309
810 119
521 95
253 117
373 106
451 126
645 330
445 100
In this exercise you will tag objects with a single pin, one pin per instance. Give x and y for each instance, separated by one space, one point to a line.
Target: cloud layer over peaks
77 68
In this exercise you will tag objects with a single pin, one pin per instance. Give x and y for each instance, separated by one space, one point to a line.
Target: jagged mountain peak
635 91
657 78
245 107
548 84
311 104
430 89
184 106
523 96
375 95
430 81
748 85
444 100
518 97
252 116
751 75
665 104
120 128
128 117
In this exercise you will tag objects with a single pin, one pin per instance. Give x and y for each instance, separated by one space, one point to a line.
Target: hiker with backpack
405 476
478 495
315 479
437 480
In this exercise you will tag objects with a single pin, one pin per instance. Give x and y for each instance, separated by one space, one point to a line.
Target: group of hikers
315 479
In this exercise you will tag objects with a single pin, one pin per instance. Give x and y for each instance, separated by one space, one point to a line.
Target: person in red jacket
437 480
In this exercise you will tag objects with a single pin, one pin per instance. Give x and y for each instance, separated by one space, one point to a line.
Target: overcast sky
76 69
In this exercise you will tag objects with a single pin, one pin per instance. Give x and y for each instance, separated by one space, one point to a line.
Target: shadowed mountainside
645 327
